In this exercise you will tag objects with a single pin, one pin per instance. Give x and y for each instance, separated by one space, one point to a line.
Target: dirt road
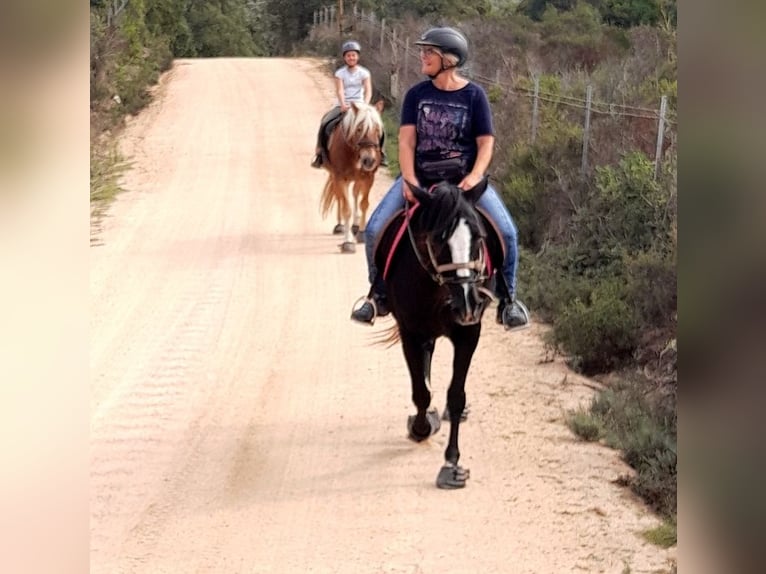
241 423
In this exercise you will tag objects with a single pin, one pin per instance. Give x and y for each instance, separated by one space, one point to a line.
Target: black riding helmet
351 46
448 40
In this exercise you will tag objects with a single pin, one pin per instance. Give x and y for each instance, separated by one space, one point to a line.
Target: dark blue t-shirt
446 123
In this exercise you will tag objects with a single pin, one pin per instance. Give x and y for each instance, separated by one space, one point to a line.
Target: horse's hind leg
464 341
418 353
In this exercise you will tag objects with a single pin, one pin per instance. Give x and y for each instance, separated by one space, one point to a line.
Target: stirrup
358 305
526 315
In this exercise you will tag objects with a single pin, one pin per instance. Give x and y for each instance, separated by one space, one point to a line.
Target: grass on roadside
106 167
640 421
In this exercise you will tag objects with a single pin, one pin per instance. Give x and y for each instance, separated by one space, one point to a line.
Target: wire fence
648 128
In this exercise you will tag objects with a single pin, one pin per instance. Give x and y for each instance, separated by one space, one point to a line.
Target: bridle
477 267
365 142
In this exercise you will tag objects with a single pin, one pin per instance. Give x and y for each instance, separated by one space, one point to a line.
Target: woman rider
445 133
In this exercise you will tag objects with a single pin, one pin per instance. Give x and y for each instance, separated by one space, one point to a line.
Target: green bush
640 420
598 333
585 425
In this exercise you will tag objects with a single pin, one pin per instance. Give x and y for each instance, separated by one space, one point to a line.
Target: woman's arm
367 90
339 93
485 145
407 137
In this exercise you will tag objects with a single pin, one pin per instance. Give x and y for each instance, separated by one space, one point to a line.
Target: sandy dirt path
241 423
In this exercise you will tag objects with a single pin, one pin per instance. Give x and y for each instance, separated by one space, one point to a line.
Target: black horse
439 282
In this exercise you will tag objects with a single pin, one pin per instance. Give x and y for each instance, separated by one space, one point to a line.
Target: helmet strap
443 69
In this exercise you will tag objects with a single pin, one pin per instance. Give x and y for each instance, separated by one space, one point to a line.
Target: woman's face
351 58
430 60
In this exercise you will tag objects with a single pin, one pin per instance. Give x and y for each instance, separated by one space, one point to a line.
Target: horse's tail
330 196
389 337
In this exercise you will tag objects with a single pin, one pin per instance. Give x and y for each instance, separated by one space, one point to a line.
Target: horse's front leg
418 354
348 245
464 341
362 203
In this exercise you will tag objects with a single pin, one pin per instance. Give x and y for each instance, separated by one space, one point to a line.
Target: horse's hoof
360 236
463 415
354 229
432 418
348 247
338 229
452 476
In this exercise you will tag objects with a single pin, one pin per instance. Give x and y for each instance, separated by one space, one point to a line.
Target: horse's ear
420 194
379 105
474 194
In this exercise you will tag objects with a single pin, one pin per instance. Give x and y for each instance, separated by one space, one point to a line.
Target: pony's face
362 128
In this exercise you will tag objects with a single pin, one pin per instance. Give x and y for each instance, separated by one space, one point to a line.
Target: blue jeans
489 202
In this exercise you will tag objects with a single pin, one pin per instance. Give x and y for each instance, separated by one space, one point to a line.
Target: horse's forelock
439 218
364 116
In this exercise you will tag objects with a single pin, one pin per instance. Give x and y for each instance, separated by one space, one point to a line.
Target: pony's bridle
367 143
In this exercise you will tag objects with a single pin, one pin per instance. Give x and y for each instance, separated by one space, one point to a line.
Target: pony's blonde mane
361 118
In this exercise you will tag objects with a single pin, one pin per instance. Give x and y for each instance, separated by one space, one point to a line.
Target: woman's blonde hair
450 60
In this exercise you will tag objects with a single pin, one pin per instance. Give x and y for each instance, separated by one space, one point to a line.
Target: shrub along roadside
643 425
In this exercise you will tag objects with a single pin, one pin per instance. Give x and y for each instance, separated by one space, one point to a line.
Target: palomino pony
353 157
439 282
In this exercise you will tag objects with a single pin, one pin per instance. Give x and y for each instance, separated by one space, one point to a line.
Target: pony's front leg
361 204
464 341
418 354
348 245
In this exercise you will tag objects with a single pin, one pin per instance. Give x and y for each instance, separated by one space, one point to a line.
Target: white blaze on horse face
460 248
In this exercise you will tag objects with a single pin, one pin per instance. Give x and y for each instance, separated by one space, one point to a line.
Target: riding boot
383 156
511 313
318 160
375 305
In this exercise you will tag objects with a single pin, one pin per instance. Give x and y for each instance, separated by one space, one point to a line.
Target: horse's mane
360 118
440 216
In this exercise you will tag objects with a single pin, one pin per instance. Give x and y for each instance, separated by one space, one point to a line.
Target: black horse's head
449 240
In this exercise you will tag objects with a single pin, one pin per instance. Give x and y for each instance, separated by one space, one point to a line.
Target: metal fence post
660 135
382 33
535 105
586 131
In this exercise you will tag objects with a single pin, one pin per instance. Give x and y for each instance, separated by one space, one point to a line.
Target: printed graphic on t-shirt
441 126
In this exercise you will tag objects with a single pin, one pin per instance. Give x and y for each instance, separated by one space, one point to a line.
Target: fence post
382 33
371 24
586 131
660 135
405 63
535 104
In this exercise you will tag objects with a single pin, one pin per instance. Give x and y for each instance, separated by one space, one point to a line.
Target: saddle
331 122
393 231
